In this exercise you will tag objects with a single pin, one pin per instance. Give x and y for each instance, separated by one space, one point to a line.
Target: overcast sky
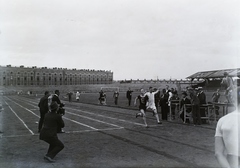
136 39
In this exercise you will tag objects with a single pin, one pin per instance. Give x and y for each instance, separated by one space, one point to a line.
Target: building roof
215 74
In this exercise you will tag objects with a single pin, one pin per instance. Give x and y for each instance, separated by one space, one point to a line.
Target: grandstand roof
215 74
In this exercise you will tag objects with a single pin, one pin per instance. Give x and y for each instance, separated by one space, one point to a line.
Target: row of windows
60 74
55 81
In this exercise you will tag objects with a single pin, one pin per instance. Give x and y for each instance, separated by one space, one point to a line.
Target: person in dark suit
49 132
157 97
61 111
195 107
164 104
43 106
129 96
202 100
183 101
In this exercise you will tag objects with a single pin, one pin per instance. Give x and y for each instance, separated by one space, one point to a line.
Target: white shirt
151 99
228 127
77 95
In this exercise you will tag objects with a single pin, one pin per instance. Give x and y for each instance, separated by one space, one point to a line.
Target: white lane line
94 119
80 123
68 132
19 118
96 115
122 120
25 108
63 117
91 113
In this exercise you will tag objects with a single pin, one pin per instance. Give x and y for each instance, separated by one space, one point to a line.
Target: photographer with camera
61 110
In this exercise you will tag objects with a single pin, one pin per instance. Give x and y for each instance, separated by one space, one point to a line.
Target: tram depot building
34 76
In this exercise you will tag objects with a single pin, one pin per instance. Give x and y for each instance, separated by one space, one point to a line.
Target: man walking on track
142 106
151 103
43 106
49 132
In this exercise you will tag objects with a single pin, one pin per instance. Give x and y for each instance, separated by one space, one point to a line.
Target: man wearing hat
60 110
227 83
184 101
227 139
48 133
202 99
195 106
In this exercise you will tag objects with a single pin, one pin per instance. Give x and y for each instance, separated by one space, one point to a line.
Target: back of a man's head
46 93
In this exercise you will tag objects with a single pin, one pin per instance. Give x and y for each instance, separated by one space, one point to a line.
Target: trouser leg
55 146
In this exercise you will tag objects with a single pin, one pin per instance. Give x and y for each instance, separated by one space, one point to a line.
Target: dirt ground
102 136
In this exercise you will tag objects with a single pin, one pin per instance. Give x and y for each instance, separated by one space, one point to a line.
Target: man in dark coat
195 107
60 110
43 106
129 96
164 104
202 99
49 132
184 101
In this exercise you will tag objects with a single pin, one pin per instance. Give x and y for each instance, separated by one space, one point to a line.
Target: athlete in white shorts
151 103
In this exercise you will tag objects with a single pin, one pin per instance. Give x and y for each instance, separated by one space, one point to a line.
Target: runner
151 103
142 106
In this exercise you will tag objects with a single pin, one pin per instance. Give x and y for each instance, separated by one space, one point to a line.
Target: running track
101 136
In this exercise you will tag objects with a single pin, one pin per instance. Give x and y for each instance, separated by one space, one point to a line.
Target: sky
135 39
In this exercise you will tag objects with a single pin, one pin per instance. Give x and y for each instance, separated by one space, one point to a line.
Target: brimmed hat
53 106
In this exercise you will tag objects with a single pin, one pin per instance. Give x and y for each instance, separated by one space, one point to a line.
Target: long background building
34 76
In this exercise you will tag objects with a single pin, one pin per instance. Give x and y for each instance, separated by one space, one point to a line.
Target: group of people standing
77 95
51 123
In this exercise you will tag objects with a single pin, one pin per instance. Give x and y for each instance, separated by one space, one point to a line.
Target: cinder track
112 135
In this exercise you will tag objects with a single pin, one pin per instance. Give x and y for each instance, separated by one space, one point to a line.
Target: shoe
146 126
62 131
159 122
49 159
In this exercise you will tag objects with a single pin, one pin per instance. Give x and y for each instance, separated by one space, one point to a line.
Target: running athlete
142 106
151 103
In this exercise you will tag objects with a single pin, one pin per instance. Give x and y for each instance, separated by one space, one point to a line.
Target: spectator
195 107
173 106
77 96
227 139
157 98
227 83
184 101
164 104
60 110
202 100
215 99
115 96
43 106
69 96
129 96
